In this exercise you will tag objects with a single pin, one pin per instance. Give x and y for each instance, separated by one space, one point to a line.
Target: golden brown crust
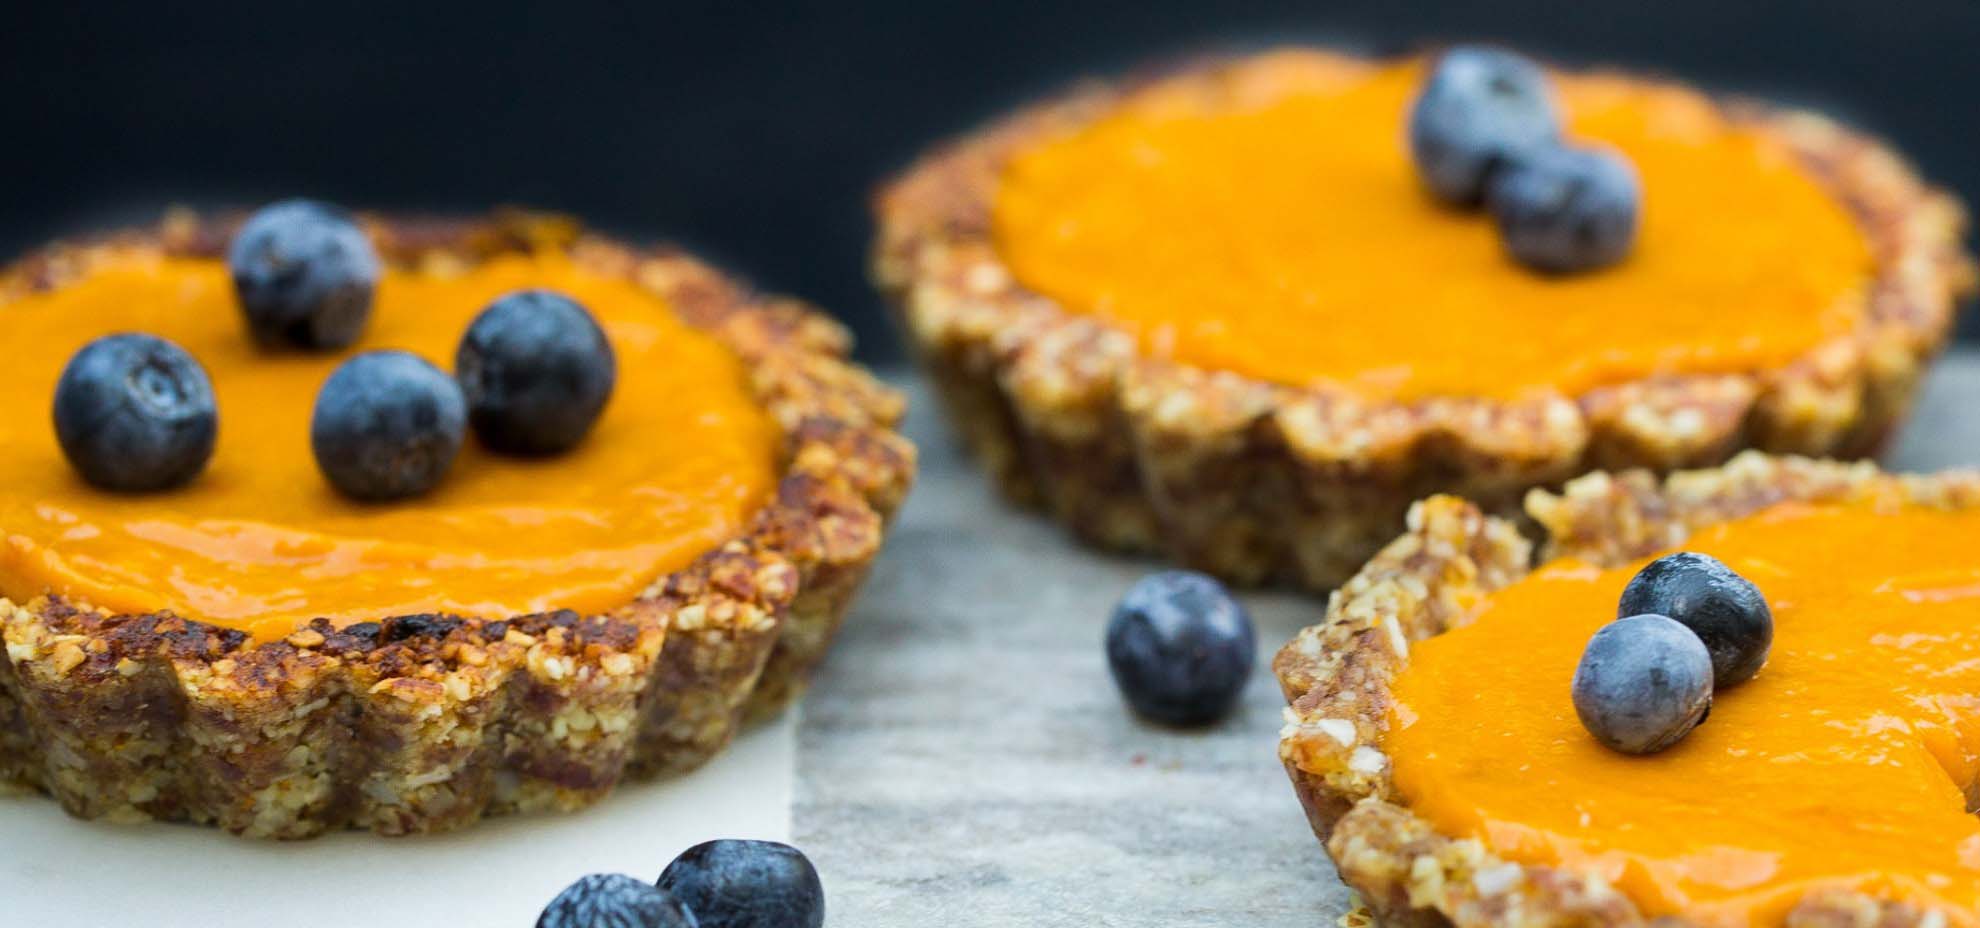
425 723
1256 481
1337 678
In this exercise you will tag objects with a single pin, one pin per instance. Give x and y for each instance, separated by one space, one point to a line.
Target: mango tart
257 653
1213 312
1432 739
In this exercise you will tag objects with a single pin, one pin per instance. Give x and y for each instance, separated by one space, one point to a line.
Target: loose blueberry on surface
1563 210
304 273
1481 109
1725 610
613 900
537 371
747 884
1180 647
387 426
135 413
1644 683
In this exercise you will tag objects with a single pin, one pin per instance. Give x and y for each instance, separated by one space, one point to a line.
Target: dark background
755 133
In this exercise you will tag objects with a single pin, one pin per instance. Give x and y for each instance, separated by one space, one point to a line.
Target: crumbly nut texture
1256 481
427 723
1338 676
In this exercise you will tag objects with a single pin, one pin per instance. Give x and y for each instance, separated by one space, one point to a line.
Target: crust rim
427 723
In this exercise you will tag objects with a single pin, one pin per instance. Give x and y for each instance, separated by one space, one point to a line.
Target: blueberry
1564 209
304 273
537 370
1180 647
747 884
1644 682
613 900
1725 610
135 413
1480 109
387 426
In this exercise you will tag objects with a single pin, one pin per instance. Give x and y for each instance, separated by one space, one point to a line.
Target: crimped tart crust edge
427 723
1337 677
1262 482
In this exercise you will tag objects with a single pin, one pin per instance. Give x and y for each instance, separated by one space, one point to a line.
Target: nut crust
1259 482
1337 677
426 723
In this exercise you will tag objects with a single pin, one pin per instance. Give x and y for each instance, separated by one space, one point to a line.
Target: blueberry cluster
1689 626
715 884
1484 132
1180 648
134 412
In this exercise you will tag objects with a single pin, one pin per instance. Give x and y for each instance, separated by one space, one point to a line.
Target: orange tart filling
1275 228
260 542
1849 762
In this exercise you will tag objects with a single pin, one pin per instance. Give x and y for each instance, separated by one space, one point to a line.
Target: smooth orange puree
261 542
1847 762
1278 230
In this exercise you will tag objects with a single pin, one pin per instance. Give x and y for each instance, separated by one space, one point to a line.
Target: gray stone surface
964 759
1944 430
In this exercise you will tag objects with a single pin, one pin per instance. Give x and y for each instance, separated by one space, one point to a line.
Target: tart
256 653
1211 312
1432 739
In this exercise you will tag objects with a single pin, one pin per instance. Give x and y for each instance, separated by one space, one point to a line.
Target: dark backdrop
755 132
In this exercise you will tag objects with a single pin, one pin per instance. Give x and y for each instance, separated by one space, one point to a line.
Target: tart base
427 723
1337 678
1261 482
